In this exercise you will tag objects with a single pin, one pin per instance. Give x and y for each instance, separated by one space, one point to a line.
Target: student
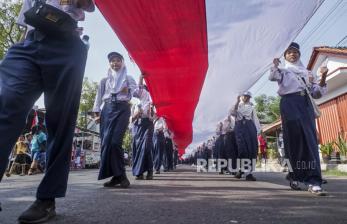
230 143
112 108
218 145
158 143
295 84
168 153
247 127
52 63
143 127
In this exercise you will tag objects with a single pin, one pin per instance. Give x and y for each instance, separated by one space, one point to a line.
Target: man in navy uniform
53 65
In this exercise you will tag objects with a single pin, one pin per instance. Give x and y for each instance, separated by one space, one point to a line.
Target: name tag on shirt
65 2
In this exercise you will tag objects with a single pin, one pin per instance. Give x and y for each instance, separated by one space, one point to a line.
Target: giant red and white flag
201 53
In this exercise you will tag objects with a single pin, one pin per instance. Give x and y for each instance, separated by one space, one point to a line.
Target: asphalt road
183 196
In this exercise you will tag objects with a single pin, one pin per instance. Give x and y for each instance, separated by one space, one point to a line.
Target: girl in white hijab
296 83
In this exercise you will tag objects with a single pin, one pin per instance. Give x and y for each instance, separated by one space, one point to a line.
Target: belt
113 100
300 93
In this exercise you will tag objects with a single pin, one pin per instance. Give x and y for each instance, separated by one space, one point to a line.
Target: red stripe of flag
168 41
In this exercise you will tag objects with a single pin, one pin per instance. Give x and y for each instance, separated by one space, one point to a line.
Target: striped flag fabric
199 54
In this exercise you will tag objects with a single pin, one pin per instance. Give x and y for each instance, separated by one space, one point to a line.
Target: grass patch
334 173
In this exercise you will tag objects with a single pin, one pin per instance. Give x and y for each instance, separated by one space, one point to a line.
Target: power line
328 25
341 41
321 22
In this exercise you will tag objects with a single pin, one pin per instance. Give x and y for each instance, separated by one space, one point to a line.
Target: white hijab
117 79
297 67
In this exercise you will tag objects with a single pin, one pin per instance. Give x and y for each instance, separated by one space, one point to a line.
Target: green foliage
272 153
10 33
89 90
127 141
268 108
341 145
327 149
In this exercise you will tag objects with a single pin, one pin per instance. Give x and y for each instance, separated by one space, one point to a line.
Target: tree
10 33
89 90
127 141
268 108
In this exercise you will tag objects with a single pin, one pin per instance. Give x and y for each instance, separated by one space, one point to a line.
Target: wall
333 119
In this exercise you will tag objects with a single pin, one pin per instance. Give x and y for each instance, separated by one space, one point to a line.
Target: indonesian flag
199 54
35 119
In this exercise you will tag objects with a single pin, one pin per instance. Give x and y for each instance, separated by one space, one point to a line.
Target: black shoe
157 172
294 185
39 211
238 175
149 175
139 177
324 181
250 177
124 182
113 182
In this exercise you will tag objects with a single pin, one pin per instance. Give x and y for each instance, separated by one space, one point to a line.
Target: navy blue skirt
113 125
300 138
246 139
218 147
230 148
168 154
158 149
142 146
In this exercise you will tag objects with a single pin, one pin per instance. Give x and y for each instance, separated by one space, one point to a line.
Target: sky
326 28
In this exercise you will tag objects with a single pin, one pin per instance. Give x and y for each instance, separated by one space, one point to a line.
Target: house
334 104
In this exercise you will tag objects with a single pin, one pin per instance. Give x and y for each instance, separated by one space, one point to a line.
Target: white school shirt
246 111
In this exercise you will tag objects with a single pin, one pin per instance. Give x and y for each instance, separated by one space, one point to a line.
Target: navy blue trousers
158 150
142 146
53 66
300 139
114 122
246 139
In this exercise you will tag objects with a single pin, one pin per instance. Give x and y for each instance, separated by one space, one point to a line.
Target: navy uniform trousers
54 66
142 146
114 122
